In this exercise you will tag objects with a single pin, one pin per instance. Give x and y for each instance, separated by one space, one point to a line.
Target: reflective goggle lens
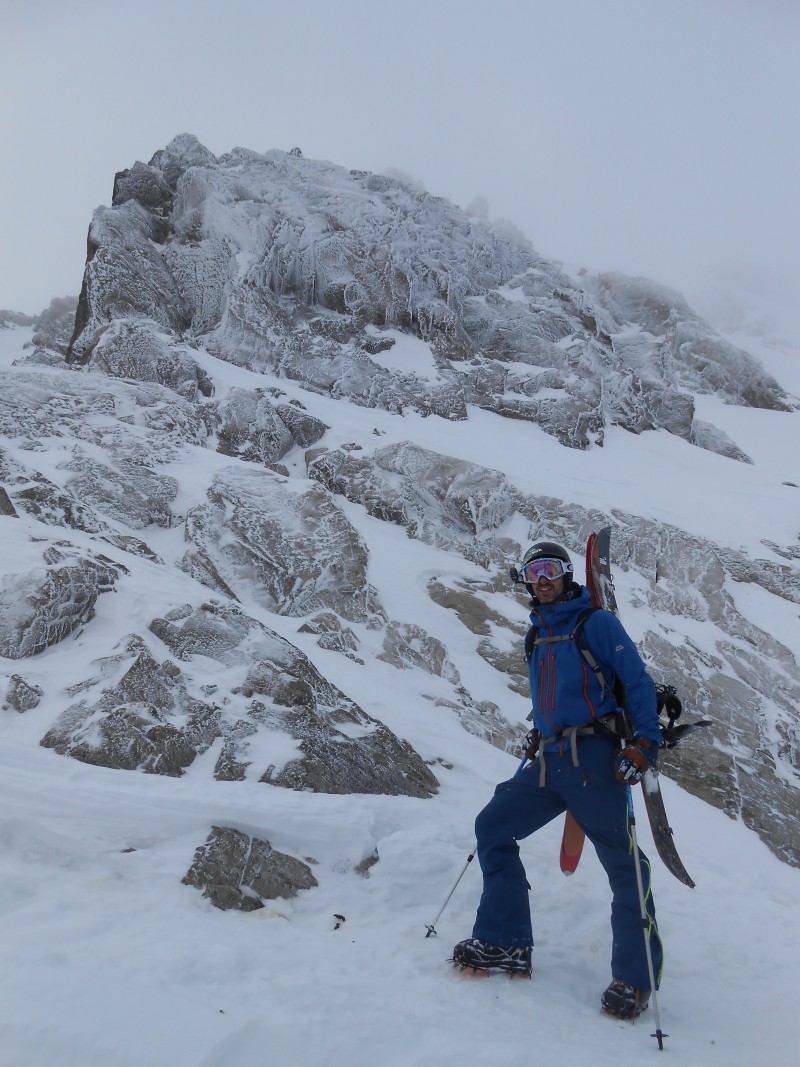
551 569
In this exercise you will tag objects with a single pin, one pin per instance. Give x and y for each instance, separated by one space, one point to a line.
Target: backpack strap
532 640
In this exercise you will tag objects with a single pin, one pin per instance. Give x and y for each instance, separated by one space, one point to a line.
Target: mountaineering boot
623 1001
479 956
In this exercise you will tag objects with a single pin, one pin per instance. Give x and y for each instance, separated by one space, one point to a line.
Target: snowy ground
107 960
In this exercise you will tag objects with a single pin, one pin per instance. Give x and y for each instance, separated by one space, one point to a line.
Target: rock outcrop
277 262
235 870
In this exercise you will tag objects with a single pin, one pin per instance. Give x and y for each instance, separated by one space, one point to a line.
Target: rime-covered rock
710 437
148 721
273 261
441 500
250 428
111 290
674 344
128 491
332 635
22 695
55 325
323 740
41 606
141 351
292 547
408 645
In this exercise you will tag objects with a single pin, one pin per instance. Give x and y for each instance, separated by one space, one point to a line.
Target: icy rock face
120 434
54 326
234 870
138 350
271 699
294 547
117 238
251 427
276 262
408 645
332 635
40 607
675 343
443 501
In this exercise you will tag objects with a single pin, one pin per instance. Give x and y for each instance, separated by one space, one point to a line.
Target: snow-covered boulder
235 870
22 695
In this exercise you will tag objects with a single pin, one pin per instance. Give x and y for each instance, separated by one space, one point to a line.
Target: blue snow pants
599 804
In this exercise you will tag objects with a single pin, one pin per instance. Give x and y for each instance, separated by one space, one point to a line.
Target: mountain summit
309 271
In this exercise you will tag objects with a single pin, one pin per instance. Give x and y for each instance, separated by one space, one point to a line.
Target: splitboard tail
661 829
572 841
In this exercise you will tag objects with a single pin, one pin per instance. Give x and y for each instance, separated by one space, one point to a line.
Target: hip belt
611 725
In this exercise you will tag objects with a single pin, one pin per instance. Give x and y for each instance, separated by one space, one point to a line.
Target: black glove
531 744
635 760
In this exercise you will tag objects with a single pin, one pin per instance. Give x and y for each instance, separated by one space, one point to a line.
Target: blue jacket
565 691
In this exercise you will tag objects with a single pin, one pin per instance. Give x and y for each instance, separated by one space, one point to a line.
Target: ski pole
431 927
659 1034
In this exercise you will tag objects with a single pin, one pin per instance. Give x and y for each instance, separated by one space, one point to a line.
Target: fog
651 137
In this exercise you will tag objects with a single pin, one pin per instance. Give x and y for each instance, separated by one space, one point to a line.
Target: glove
531 744
634 761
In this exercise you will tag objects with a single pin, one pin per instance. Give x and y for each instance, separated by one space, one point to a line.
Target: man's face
549 590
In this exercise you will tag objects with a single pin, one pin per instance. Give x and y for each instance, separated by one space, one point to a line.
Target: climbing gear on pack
607 726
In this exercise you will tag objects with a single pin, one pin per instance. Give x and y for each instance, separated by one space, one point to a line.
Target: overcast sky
657 137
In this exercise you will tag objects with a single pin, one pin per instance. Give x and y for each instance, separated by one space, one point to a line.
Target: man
580 766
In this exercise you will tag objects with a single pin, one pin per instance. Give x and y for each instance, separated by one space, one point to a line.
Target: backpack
666 695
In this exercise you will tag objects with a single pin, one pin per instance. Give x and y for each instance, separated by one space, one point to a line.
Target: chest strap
532 640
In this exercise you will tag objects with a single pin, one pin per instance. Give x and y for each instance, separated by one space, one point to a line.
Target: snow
408 355
107 959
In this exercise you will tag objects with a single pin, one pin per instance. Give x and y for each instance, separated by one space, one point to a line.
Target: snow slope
107 959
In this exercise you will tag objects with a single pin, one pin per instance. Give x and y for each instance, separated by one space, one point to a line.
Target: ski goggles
551 569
